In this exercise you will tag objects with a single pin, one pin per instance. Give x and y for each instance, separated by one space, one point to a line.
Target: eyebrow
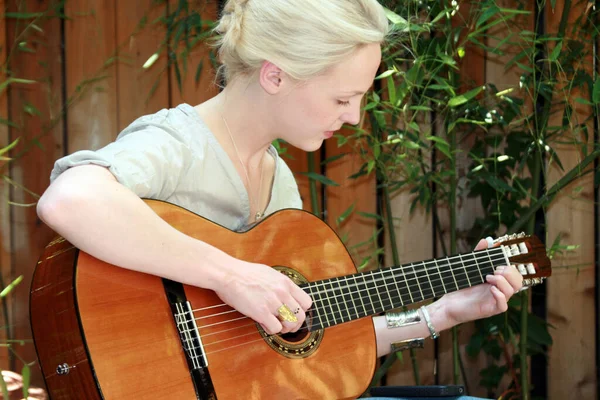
354 92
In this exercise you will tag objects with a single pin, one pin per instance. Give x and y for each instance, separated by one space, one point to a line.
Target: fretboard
346 298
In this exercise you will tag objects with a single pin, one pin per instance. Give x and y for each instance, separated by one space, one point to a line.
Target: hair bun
232 19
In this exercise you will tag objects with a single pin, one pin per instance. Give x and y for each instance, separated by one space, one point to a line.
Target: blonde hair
302 37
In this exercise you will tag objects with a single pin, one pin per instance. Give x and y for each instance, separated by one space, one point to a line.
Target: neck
243 107
346 298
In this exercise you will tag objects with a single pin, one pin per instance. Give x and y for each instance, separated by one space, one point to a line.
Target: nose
352 117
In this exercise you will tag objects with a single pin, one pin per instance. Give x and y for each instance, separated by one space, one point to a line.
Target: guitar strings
401 268
324 307
342 294
306 327
254 332
335 296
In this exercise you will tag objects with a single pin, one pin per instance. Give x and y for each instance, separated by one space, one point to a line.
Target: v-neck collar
229 167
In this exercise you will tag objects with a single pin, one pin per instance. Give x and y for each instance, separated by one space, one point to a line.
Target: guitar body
104 332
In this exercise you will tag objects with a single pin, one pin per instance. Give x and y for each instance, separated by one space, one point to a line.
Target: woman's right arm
92 210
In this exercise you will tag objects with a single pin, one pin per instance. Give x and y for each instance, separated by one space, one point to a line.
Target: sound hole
298 336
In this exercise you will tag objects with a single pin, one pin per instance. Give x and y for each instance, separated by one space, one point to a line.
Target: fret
443 284
424 282
325 310
372 293
341 299
429 266
462 262
315 323
491 263
357 295
397 301
473 271
333 298
448 277
459 272
348 299
383 294
389 277
403 287
414 287
387 280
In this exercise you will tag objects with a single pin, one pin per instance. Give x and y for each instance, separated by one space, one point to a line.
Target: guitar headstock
528 254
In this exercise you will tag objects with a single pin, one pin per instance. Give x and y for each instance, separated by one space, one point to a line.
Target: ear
271 77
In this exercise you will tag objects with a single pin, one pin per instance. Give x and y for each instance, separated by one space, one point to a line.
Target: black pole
539 363
595 21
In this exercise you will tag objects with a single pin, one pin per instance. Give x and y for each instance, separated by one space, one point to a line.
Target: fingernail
500 269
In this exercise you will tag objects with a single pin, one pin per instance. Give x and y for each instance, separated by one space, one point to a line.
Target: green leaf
487 14
331 159
320 178
370 215
344 215
11 286
6 149
199 71
556 51
441 145
596 92
396 19
26 372
385 74
17 15
7 122
463 98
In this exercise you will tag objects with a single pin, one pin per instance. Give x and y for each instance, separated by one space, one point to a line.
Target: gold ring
285 314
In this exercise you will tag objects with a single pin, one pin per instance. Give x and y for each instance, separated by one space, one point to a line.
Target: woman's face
312 111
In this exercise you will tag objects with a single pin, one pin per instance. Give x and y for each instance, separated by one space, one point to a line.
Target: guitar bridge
190 336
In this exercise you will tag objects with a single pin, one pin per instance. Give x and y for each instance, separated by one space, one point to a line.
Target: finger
271 325
501 283
483 244
298 312
301 297
514 277
501 302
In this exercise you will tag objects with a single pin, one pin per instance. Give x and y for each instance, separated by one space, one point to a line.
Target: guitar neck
346 298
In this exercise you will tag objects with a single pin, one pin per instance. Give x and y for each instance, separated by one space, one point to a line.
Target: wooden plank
32 169
137 43
92 118
194 92
5 226
360 194
413 234
572 364
297 160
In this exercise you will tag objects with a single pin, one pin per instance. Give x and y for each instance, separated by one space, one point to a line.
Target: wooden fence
92 85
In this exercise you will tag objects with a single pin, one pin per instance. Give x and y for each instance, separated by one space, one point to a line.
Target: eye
343 103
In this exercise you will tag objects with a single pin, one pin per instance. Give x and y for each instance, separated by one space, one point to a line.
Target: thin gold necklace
258 214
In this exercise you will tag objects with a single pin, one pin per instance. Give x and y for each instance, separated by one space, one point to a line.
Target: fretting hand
479 301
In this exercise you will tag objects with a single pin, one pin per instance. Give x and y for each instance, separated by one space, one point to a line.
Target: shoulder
180 123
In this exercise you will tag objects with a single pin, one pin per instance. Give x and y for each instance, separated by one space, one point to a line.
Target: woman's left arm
454 308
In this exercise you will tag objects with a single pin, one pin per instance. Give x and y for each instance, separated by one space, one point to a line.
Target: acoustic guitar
104 332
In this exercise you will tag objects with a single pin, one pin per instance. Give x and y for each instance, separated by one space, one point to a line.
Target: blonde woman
295 70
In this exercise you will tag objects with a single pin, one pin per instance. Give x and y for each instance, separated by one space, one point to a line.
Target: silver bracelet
434 334
417 343
398 319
